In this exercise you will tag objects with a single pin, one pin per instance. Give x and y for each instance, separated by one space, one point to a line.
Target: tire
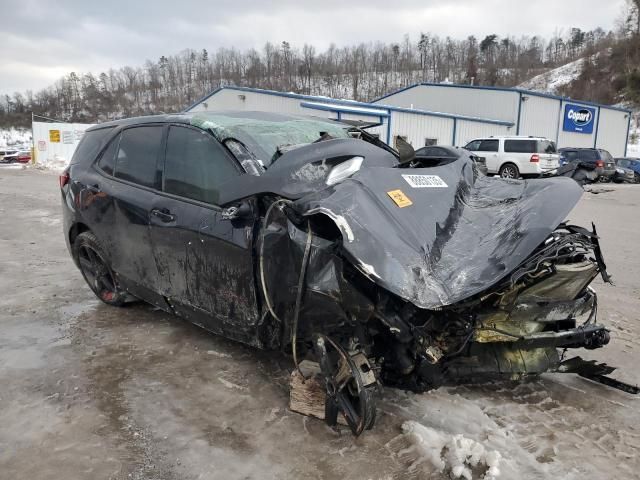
509 170
637 176
96 270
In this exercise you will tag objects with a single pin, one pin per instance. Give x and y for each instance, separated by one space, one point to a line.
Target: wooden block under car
307 396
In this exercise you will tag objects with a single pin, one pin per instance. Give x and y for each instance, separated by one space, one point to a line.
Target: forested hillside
365 71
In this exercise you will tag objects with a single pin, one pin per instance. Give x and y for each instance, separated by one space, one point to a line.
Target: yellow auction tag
400 198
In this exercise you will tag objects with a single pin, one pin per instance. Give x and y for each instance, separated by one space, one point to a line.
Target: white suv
515 157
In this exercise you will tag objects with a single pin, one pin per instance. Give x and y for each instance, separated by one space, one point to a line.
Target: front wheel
96 270
637 177
509 170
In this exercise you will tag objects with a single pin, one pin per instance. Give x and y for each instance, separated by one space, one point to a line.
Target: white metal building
419 126
568 122
54 143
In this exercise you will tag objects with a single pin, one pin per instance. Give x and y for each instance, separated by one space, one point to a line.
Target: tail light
64 178
535 158
599 164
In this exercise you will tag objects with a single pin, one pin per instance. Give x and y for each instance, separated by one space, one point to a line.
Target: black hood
452 241
449 234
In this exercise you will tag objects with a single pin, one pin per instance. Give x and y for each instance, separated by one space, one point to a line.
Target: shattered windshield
267 135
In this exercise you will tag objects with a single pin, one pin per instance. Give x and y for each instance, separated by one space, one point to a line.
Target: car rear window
606 156
546 146
589 155
90 145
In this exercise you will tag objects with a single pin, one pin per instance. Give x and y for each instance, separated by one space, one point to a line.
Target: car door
488 149
133 188
205 260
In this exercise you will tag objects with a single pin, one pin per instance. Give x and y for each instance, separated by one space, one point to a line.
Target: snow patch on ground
551 81
455 455
462 438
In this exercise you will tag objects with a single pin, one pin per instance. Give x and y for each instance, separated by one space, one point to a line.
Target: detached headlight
620 171
344 170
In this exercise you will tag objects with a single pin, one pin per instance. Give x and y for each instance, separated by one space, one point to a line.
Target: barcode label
425 181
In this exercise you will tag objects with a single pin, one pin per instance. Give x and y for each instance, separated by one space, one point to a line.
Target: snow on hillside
15 137
551 81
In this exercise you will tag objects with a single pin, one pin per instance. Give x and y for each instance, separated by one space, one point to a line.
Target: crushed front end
465 278
521 326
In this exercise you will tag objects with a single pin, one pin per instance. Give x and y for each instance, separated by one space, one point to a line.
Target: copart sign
578 119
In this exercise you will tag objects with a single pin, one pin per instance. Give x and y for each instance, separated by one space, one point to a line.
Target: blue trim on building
389 128
503 89
595 136
626 143
389 108
339 109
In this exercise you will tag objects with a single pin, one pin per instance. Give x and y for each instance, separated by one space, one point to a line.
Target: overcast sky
41 40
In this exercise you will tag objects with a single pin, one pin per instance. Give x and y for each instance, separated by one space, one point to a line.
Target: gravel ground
93 392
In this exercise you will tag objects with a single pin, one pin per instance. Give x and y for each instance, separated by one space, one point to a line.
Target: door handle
94 188
163 214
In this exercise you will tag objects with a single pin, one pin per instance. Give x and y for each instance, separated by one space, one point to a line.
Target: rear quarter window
521 146
91 143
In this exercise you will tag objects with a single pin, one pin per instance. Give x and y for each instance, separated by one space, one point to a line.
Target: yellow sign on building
54 136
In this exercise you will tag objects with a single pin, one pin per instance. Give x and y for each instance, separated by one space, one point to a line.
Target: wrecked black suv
313 237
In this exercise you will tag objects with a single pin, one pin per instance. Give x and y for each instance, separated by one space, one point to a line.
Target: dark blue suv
631 164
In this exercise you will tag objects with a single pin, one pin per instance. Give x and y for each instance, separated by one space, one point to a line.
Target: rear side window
138 150
90 145
196 165
521 146
488 146
107 160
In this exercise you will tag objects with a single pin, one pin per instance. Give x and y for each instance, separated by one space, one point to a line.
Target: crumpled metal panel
449 243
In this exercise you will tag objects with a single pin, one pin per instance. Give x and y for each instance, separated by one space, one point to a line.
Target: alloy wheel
97 273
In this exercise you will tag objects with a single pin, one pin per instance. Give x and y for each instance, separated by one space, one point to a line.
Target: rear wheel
509 170
96 270
637 177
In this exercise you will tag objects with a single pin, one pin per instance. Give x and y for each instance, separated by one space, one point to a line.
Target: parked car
7 153
623 175
632 164
21 156
596 159
287 233
435 155
515 157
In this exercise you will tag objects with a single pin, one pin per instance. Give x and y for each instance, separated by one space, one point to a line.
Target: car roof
230 117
